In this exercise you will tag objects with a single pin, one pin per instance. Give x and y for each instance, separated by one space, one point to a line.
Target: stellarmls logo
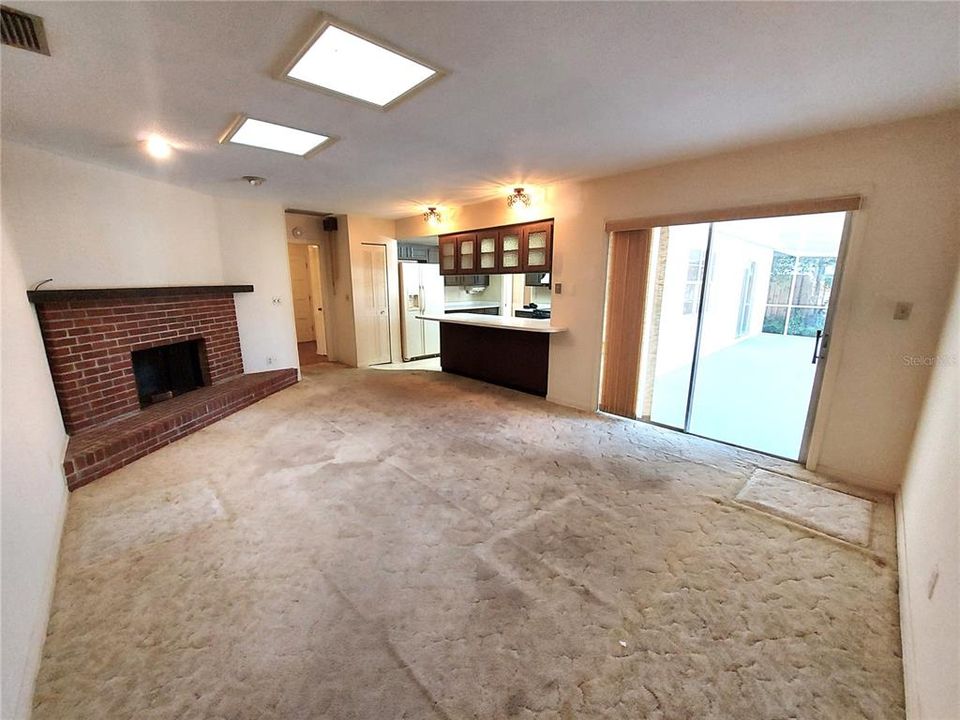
949 360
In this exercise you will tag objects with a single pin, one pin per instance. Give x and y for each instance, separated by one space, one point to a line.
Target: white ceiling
536 92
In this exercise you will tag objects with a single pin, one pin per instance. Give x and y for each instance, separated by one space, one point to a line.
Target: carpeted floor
414 545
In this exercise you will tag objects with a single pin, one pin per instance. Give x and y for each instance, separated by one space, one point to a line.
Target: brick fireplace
99 343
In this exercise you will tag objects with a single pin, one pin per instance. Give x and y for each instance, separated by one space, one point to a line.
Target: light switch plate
558 288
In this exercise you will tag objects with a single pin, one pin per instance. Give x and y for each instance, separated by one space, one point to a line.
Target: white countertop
496 321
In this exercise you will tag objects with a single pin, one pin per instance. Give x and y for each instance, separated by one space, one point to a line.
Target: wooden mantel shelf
38 297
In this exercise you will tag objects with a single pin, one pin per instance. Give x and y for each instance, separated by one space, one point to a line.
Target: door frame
291 246
823 358
827 342
315 267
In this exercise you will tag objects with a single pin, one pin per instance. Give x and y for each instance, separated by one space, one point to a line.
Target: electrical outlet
269 360
902 310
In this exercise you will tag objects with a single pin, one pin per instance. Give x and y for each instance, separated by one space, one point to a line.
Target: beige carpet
841 515
413 545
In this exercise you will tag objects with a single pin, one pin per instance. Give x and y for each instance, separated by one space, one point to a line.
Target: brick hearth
95 452
89 336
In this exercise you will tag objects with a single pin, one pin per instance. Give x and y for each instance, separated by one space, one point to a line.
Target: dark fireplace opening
167 371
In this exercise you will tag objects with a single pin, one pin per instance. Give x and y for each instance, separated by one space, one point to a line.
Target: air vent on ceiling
23 30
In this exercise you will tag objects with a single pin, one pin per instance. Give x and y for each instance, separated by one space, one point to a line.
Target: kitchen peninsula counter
507 351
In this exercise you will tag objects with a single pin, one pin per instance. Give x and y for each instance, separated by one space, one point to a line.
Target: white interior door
300 284
373 306
316 293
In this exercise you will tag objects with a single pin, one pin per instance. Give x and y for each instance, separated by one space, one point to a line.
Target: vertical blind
623 329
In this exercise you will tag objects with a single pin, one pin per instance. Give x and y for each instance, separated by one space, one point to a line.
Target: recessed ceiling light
344 62
270 136
157 147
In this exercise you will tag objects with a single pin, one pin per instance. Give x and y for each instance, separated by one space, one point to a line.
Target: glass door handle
816 346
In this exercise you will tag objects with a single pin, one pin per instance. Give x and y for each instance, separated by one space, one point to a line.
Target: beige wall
903 247
928 508
34 494
254 249
90 226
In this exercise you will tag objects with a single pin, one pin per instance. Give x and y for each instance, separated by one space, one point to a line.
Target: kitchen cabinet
509 245
467 253
508 249
487 250
537 244
419 253
459 254
448 255
466 280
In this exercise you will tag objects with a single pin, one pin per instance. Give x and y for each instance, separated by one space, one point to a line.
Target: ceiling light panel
270 136
344 62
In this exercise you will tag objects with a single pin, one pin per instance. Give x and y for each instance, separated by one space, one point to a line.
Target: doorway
373 306
739 326
307 287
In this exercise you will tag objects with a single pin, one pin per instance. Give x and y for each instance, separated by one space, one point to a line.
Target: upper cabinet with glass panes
511 249
448 255
537 247
487 251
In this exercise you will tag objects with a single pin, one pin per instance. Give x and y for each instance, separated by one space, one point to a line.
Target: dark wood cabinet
510 254
508 249
487 255
537 246
448 255
459 254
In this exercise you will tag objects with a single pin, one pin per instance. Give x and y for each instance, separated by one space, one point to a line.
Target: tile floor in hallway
416 545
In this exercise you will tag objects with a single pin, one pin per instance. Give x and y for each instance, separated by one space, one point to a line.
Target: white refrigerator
421 292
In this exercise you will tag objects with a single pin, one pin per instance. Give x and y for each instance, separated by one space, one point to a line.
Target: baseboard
911 694
855 478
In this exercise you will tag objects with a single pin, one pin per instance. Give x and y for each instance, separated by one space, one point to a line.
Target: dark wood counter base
515 359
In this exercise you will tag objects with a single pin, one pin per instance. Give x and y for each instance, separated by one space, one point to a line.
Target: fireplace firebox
166 371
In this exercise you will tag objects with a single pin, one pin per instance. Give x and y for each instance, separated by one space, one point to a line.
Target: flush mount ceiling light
157 147
431 216
254 180
343 61
518 197
270 136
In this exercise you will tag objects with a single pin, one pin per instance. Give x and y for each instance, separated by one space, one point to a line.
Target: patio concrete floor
754 393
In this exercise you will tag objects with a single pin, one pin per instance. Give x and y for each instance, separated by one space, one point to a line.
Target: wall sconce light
431 216
518 196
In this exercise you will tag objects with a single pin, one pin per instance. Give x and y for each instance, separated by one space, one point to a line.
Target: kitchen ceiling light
157 147
255 180
517 197
270 136
344 62
431 216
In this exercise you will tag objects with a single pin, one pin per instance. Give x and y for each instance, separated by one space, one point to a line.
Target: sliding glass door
739 313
